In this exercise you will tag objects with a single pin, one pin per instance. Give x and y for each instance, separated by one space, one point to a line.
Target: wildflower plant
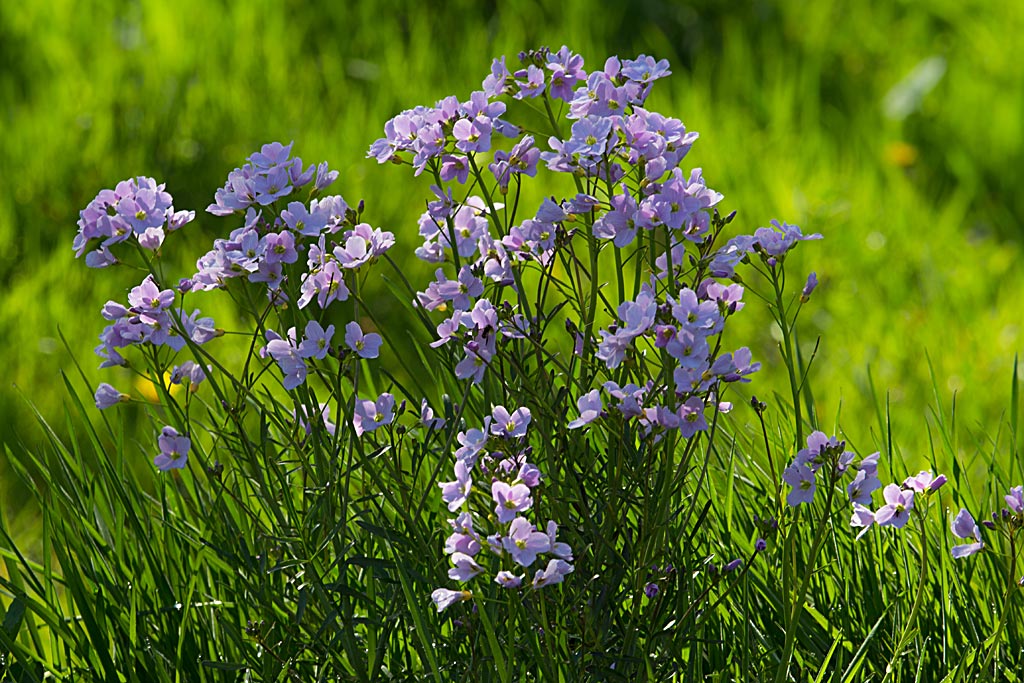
542 474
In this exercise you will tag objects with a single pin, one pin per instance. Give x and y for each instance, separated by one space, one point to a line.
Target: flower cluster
1009 520
150 318
828 455
265 245
137 207
498 453
899 499
272 173
684 327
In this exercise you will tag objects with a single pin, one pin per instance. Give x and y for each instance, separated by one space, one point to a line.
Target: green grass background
809 112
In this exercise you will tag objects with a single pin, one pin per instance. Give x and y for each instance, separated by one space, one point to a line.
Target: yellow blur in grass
147 389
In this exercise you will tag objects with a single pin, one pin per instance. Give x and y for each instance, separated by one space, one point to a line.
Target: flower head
444 598
897 509
365 345
964 526
173 450
801 478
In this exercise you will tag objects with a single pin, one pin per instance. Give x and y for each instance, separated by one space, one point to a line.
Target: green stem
912 617
1005 610
794 612
787 356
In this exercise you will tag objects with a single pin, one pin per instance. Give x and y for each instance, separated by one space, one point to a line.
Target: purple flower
510 500
897 509
465 568
554 573
511 425
801 478
285 353
427 418
472 442
317 342
464 539
325 419
148 298
651 590
862 517
862 486
964 526
590 409
776 242
558 549
869 465
760 545
369 415
1015 499
691 417
924 482
191 371
107 396
524 542
507 579
455 493
173 450
472 135
366 345
812 282
444 598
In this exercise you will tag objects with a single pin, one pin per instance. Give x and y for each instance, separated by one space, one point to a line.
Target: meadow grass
268 575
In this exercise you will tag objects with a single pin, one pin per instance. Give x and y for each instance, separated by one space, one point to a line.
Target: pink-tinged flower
870 464
478 357
173 450
524 542
510 500
1015 499
456 492
558 549
863 518
325 419
366 345
472 442
286 354
554 573
862 486
464 539
897 509
507 579
191 371
529 475
801 479
369 415
691 417
444 598
590 409
511 425
427 418
148 298
465 568
819 448
924 482
964 526
107 396
317 342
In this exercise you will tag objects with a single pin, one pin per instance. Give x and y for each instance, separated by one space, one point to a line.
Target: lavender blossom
964 526
173 450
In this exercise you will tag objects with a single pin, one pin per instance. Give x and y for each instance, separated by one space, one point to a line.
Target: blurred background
893 128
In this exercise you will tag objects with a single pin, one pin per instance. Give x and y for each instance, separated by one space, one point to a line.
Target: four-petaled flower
173 450
896 511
